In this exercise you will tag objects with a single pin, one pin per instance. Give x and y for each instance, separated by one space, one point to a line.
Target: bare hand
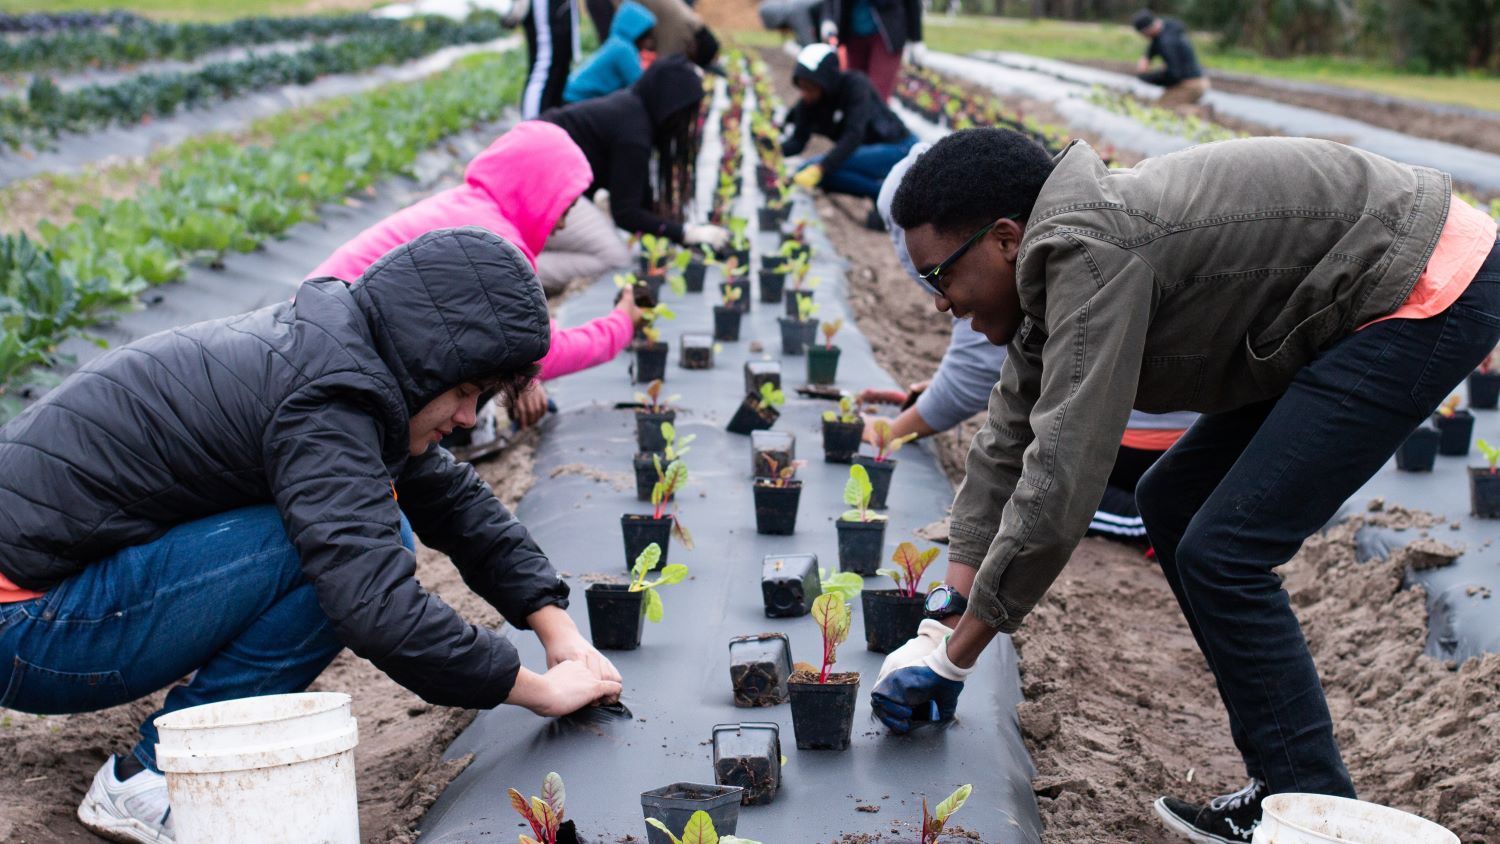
568 687
869 434
573 647
1142 65
531 406
877 395
625 303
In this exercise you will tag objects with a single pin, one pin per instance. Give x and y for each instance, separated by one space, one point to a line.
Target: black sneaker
1228 819
873 222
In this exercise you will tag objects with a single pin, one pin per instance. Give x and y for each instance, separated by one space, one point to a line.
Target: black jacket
898 21
850 113
306 404
617 133
1174 48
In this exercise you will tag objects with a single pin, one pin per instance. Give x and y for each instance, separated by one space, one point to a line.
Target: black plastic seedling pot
741 304
776 507
758 372
648 436
616 616
1484 390
823 713
697 351
791 300
693 273
653 284
772 218
645 477
1455 431
1419 451
822 364
758 669
860 545
674 804
747 418
726 323
880 472
650 362
772 284
891 618
748 755
743 255
1484 492
641 530
789 583
841 440
797 335
768 447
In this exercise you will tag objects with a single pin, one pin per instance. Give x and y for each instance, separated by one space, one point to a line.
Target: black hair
970 179
507 384
676 161
1142 20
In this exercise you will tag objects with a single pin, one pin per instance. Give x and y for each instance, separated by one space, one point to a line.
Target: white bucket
1321 819
271 769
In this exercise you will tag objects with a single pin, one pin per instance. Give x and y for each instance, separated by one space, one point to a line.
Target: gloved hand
930 634
808 177
930 688
601 201
829 31
715 237
915 52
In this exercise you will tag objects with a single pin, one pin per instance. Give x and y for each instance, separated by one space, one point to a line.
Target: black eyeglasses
933 278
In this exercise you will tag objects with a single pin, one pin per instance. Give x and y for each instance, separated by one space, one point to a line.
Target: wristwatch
944 602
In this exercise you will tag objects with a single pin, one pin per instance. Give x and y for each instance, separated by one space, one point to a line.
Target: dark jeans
222 598
1237 495
864 172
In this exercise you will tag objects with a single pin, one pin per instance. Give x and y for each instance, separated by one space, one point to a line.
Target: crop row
945 103
1163 120
223 197
47 111
145 40
64 21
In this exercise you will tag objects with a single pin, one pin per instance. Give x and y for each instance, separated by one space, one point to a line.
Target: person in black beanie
1182 76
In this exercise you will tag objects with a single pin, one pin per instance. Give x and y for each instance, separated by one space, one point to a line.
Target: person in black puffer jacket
869 139
231 500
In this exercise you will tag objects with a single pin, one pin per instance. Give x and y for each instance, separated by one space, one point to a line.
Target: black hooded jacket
306 405
850 113
618 131
1174 48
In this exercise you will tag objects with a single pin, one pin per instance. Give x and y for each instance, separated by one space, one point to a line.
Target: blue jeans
862 173
1237 495
221 598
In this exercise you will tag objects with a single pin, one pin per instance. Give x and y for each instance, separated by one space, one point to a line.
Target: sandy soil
46 763
728 16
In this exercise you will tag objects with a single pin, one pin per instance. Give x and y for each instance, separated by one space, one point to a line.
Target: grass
200 10
1118 43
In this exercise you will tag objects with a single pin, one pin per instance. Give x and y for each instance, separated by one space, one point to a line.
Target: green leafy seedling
730 294
699 830
1490 453
846 413
769 396
885 444
652 401
545 813
857 492
672 574
806 308
932 825
911 564
833 617
845 584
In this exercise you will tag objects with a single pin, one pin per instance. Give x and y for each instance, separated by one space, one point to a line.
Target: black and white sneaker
1227 819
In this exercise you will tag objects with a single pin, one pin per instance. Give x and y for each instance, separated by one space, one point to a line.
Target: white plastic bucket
1321 819
268 769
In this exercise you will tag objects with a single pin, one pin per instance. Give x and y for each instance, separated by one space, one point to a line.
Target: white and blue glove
918 682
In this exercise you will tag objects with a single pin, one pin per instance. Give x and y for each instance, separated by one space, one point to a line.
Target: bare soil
726 17
46 762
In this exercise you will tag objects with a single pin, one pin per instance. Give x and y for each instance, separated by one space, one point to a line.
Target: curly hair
972 178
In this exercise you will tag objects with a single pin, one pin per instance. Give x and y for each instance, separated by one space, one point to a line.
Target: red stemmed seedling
912 563
885 444
1448 408
932 824
833 617
830 328
1490 453
651 400
545 813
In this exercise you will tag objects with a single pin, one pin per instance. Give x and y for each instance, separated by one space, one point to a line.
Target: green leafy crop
671 574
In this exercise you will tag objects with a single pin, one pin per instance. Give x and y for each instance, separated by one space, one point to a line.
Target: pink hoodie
518 188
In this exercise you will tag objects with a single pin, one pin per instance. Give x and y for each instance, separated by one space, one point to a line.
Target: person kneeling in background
221 500
1182 77
616 64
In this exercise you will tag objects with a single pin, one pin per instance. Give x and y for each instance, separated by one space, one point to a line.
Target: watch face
937 600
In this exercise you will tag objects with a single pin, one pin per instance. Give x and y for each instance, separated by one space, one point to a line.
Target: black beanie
1143 20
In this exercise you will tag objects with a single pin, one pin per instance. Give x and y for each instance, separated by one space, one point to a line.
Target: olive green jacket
1201 280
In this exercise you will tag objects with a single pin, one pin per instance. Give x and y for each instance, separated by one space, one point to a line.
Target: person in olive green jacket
1315 302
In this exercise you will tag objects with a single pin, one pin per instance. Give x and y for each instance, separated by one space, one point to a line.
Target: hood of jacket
819 64
453 306
632 20
533 173
669 85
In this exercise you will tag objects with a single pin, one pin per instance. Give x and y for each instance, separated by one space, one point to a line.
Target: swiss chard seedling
833 618
670 574
857 492
846 412
932 825
768 397
1490 453
738 240
911 565
670 481
885 444
651 401
806 308
830 328
1448 408
730 294
845 584
674 449
649 317
545 813
779 476
656 248
699 830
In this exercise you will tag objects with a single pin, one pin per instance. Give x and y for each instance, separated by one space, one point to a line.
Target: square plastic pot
648 436
741 304
789 583
771 447
641 530
1484 492
770 219
1419 451
758 372
742 255
1456 431
891 618
697 351
645 476
772 285
616 616
654 284
861 546
880 472
748 756
1484 390
674 804
797 335
650 362
726 323
822 365
759 667
694 274
841 441
747 418
791 298
776 508
823 713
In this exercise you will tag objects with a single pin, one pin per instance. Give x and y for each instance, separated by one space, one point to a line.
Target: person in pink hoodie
520 188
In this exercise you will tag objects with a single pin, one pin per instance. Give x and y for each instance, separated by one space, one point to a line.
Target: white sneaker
134 811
